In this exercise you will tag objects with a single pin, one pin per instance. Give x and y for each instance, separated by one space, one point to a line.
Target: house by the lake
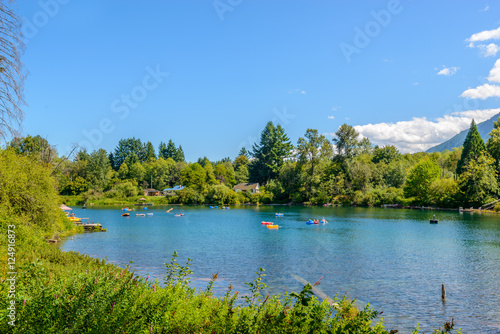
172 191
252 187
152 192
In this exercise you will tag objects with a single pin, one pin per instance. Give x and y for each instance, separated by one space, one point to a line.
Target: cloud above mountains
420 134
487 50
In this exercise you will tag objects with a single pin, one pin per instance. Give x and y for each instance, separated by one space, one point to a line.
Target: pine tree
270 153
149 151
162 151
473 148
493 143
179 156
171 151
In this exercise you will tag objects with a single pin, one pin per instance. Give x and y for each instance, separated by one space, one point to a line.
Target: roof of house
246 186
174 188
150 190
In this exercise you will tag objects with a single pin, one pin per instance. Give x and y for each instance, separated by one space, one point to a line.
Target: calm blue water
393 259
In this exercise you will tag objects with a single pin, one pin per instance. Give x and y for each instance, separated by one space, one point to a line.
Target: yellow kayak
273 227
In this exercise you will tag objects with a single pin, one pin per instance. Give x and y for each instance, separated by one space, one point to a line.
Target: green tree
194 176
123 172
493 144
171 151
346 142
386 154
98 168
313 152
35 147
179 156
149 151
270 153
478 181
473 148
443 192
137 172
420 179
125 148
244 152
241 169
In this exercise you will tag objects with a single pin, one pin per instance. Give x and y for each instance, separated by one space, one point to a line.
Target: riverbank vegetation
348 170
65 292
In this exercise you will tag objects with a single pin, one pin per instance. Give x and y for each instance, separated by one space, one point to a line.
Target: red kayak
267 223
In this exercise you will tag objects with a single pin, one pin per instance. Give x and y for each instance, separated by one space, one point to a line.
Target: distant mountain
484 129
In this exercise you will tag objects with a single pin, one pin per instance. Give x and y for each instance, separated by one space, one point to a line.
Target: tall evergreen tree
149 151
162 151
128 147
244 152
270 153
493 144
179 155
473 148
171 151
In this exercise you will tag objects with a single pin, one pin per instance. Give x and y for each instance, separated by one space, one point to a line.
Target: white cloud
489 50
331 117
495 72
448 71
420 134
486 8
485 35
482 92
297 91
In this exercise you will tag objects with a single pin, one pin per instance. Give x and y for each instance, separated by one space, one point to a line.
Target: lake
392 259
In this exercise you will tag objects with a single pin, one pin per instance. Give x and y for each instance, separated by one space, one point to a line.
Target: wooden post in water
443 292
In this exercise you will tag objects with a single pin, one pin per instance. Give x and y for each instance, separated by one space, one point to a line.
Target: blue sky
210 74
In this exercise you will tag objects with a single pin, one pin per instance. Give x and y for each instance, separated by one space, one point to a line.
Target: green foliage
478 181
75 187
443 193
27 190
493 143
346 142
149 152
126 147
35 147
420 179
386 154
269 154
473 148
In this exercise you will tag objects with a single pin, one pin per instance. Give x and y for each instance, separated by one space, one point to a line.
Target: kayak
267 223
272 227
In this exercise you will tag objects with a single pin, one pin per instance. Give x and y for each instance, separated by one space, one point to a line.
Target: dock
88 226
